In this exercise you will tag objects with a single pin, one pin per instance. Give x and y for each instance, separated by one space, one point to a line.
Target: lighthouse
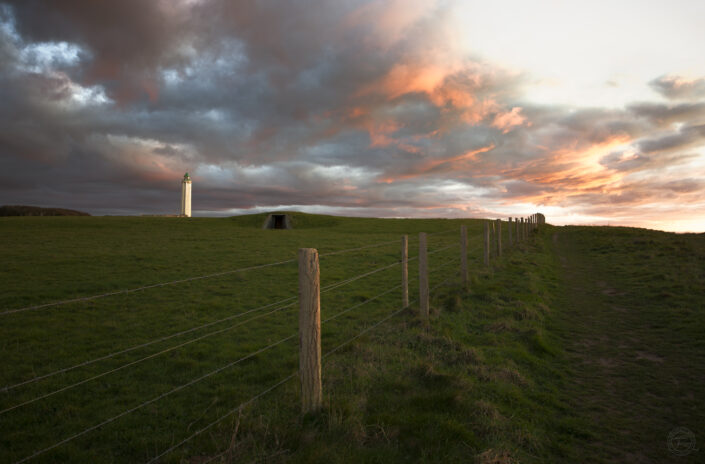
186 196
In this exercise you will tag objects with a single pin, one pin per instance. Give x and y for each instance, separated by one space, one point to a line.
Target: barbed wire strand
364 331
442 232
143 345
211 373
132 363
281 382
445 265
223 417
174 282
188 342
155 399
332 253
138 289
360 304
442 249
358 277
442 283
259 395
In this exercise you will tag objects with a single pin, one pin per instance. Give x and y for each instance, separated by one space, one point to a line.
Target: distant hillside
19 210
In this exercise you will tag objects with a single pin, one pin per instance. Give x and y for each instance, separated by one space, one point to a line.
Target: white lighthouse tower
186 196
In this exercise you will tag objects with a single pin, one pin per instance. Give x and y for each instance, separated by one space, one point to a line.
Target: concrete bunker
277 221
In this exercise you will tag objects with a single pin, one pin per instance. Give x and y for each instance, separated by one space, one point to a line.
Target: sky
588 112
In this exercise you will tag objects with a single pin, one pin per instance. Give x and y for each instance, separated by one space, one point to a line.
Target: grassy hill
582 345
20 210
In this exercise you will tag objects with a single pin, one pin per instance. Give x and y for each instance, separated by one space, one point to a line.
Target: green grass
506 371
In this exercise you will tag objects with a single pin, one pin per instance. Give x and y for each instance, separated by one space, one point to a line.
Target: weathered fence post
499 237
309 330
423 277
523 230
464 255
404 271
516 227
509 228
487 243
493 228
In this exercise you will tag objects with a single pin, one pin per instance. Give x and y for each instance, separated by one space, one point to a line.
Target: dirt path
632 377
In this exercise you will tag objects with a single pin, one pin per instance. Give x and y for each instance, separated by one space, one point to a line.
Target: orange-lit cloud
368 107
505 121
439 166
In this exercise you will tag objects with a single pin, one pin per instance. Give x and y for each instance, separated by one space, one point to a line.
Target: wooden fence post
499 237
516 230
523 237
487 243
509 228
423 277
523 230
464 255
405 271
310 330
493 236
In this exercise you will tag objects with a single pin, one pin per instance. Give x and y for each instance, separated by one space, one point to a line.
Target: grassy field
532 364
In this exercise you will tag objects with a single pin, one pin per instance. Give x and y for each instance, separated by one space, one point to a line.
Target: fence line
360 304
376 245
358 277
133 363
442 232
156 398
207 375
181 345
182 386
283 381
143 345
220 369
179 281
138 289
259 395
222 418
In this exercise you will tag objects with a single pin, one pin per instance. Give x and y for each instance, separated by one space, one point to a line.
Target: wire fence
259 313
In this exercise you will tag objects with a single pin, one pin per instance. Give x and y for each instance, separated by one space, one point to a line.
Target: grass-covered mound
20 210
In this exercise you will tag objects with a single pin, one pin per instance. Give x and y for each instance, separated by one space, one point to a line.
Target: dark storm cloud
362 107
128 40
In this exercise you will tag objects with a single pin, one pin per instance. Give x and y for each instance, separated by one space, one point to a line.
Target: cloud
685 138
679 88
362 107
664 116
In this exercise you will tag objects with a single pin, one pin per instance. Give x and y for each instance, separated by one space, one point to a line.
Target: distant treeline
19 210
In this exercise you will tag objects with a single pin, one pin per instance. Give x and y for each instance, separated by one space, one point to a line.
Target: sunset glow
367 108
